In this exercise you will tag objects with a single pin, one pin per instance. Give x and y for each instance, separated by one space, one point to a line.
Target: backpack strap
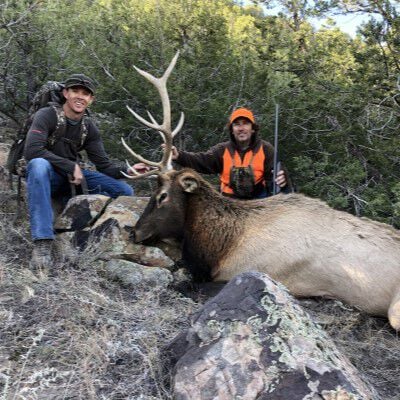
84 130
61 127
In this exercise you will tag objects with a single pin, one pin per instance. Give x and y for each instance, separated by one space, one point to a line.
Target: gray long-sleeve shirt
64 154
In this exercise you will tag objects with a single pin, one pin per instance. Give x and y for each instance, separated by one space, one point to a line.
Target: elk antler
164 129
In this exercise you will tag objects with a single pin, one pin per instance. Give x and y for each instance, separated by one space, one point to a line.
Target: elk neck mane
214 224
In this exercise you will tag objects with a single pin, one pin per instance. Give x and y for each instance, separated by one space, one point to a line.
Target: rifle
277 164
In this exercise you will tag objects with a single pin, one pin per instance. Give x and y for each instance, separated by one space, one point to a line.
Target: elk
299 241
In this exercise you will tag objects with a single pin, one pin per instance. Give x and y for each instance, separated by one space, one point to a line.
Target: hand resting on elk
311 248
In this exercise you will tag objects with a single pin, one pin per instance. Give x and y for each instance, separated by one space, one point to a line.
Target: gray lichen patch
253 341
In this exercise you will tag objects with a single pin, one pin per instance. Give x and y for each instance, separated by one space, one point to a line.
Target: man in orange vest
244 163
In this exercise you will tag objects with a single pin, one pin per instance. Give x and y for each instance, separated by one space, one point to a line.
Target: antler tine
155 122
140 176
153 125
137 174
179 125
161 86
164 129
139 157
131 168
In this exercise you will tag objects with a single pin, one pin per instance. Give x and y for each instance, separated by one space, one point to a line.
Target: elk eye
163 196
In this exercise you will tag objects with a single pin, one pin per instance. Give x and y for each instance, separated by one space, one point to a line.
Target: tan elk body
311 248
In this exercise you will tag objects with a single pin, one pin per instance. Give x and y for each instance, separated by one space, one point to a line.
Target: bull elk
311 248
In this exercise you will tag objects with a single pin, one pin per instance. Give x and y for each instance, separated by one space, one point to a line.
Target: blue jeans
43 182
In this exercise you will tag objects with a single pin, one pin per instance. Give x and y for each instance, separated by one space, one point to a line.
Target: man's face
242 129
78 98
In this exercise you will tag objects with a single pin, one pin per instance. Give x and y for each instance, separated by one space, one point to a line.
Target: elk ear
189 183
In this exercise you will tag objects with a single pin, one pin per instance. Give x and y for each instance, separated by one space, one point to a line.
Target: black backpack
50 94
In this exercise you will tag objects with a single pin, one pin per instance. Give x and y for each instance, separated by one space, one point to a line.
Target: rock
253 341
171 247
115 243
80 212
133 274
145 255
182 277
123 212
69 246
65 246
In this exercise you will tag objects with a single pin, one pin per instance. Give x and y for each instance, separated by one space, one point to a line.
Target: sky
346 23
349 23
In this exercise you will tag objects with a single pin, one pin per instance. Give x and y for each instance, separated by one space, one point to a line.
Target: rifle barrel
276 188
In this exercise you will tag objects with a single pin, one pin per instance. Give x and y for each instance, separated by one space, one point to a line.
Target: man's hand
77 176
174 151
281 178
141 168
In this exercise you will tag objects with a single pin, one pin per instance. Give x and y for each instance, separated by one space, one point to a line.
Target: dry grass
370 343
79 336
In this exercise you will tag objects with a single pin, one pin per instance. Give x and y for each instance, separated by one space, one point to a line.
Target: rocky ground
80 335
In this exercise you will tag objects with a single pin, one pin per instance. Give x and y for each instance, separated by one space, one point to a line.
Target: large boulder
253 341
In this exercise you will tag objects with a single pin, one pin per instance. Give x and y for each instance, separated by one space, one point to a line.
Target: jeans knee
126 190
39 167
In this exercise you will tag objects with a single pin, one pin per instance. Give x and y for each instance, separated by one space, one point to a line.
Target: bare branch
22 16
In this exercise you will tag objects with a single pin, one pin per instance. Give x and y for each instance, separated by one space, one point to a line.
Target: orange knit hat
242 112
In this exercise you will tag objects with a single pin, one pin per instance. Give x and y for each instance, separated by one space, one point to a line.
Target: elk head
165 214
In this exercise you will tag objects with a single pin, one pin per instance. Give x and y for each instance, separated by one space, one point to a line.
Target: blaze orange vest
256 159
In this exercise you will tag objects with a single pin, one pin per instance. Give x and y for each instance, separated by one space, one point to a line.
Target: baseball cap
80 80
242 112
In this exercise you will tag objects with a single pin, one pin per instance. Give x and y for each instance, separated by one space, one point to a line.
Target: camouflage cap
80 80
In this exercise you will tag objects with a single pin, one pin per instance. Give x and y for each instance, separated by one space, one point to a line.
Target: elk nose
132 235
